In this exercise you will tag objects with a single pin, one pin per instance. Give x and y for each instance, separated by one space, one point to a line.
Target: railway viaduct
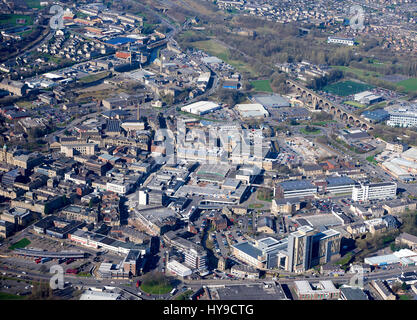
315 101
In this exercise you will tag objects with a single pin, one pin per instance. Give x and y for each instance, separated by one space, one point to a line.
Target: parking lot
221 245
247 223
323 206
18 286
45 243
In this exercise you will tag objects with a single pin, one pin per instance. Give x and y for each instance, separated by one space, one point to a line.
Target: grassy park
8 296
20 244
35 4
265 195
409 84
156 283
256 206
323 123
185 295
261 85
344 261
355 104
365 74
371 159
216 49
310 130
94 77
346 88
12 19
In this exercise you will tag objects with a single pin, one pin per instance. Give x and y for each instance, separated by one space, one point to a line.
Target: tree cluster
319 83
230 97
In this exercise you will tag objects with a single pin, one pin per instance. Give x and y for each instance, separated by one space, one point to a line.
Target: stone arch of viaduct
319 102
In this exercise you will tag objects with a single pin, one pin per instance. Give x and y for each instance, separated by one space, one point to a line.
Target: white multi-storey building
403 117
196 259
120 187
375 191
179 269
143 198
346 41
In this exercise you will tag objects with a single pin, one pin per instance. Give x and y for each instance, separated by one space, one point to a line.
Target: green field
323 123
311 131
185 296
8 296
345 259
346 88
20 244
51 58
26 33
157 288
216 49
371 159
363 74
261 85
84 274
256 206
33 3
265 195
156 283
409 84
94 77
355 104
12 19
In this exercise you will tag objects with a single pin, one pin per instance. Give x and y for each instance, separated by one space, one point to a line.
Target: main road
93 282
376 275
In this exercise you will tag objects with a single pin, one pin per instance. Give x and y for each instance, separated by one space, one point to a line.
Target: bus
45 260
173 291
71 271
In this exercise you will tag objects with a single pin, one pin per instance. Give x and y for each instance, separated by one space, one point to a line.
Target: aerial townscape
208 150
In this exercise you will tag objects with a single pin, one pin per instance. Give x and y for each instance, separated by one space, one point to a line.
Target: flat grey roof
249 292
296 185
382 184
273 100
339 181
249 249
